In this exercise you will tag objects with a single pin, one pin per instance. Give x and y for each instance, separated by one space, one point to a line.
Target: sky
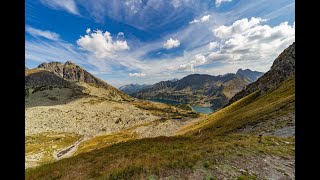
147 41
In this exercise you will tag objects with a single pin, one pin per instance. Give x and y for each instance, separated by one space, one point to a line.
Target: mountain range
252 137
200 89
133 88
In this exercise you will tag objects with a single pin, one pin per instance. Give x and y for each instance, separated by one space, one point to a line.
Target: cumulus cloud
101 44
41 33
218 2
250 40
198 60
68 5
213 45
186 67
137 74
238 27
171 43
201 20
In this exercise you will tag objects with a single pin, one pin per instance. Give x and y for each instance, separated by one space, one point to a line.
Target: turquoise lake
198 109
204 110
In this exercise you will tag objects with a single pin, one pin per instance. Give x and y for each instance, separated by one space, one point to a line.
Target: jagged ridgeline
200 89
67 76
282 68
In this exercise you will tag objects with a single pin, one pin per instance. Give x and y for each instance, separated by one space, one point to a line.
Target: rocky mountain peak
70 63
282 68
251 75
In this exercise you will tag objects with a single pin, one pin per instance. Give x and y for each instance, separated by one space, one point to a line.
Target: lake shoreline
198 109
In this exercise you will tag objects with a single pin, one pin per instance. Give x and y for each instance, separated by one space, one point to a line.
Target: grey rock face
283 67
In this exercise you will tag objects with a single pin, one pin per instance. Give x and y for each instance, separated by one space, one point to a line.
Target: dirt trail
70 150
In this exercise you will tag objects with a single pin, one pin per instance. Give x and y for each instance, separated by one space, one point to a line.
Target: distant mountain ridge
282 68
200 89
252 75
133 88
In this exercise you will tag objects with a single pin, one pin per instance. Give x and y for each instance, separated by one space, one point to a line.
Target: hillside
282 68
216 152
66 106
74 73
223 145
201 89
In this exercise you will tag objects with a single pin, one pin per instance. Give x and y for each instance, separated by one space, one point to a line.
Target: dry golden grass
250 109
105 141
138 159
32 71
47 143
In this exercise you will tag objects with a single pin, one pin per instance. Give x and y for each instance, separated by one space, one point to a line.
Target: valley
197 89
78 126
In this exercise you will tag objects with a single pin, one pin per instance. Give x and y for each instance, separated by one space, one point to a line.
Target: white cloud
213 45
186 67
68 5
250 40
137 74
205 18
218 2
171 43
101 44
201 20
237 27
199 60
88 30
41 33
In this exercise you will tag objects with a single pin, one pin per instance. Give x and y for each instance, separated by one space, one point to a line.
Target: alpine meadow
160 89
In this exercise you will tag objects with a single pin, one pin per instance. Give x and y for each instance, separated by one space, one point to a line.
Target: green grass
147 158
47 143
104 141
248 110
152 155
166 111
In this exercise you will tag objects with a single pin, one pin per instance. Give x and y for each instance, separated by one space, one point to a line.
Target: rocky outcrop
74 73
57 74
40 78
252 75
283 67
71 72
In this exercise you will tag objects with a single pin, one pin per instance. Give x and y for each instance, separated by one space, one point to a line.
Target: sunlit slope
251 109
211 151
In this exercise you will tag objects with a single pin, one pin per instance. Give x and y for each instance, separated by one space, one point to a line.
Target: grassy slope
249 110
47 143
164 110
152 156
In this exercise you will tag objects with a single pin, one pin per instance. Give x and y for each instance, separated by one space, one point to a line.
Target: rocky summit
74 73
282 68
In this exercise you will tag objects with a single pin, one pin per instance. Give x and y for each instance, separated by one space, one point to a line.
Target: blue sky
147 41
